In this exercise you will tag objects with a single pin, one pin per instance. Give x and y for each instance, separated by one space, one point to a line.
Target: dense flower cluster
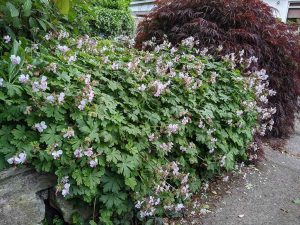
246 31
143 124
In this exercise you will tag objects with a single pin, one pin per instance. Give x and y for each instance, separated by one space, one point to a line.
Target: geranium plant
127 129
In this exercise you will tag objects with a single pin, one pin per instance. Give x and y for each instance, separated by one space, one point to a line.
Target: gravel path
270 196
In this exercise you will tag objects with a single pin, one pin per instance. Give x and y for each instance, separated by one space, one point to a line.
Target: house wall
282 7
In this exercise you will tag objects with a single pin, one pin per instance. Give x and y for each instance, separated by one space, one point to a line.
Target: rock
68 208
19 202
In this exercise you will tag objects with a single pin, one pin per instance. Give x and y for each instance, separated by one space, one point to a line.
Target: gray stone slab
19 202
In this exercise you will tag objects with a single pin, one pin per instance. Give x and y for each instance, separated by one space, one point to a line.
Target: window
294 13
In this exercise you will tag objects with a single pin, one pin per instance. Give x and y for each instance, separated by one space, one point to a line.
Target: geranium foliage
237 25
124 128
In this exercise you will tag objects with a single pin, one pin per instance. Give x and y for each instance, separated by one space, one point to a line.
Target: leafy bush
122 127
236 25
95 21
115 4
113 23
28 18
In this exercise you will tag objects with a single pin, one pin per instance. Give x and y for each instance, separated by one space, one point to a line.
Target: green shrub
99 21
28 18
122 127
112 22
114 4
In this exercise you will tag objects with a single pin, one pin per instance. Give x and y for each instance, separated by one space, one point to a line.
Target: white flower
272 92
48 37
151 137
72 59
220 48
213 77
79 43
78 153
93 163
211 150
142 87
50 98
52 67
11 160
57 154
138 205
15 59
115 66
35 46
35 86
201 124
203 211
82 104
20 159
223 161
185 120
91 95
172 128
42 85
63 34
88 152
179 207
7 39
262 74
1 82
263 99
40 126
23 78
70 133
213 140
63 48
160 87
166 146
66 189
204 52
61 97
183 149
239 113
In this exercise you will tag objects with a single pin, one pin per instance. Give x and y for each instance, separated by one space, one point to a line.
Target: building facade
286 10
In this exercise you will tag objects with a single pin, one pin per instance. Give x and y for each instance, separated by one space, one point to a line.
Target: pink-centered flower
172 128
63 48
88 152
78 153
16 60
23 78
93 163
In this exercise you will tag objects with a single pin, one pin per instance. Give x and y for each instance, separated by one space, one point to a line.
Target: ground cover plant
236 25
133 132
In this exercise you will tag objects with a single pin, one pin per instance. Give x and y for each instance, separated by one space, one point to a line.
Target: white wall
141 6
282 6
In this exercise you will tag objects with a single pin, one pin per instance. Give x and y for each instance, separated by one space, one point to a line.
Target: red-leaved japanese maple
236 25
